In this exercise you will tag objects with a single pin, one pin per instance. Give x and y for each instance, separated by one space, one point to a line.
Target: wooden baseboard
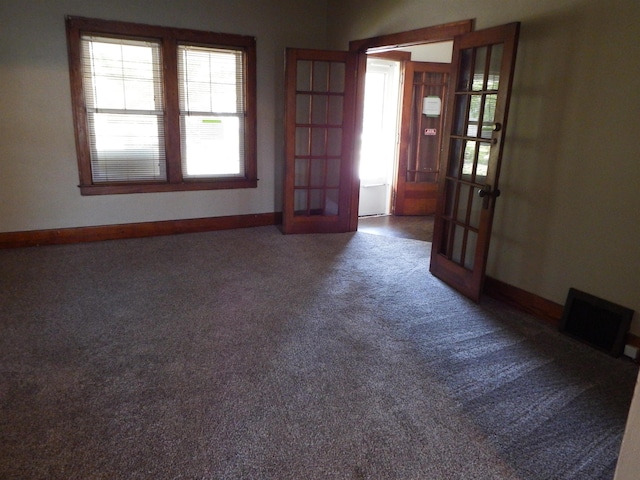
633 340
135 230
546 310
542 308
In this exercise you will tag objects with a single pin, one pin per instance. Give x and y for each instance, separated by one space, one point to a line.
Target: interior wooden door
319 123
416 184
472 153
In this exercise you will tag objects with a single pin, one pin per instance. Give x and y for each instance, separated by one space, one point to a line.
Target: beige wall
567 217
38 169
569 214
571 171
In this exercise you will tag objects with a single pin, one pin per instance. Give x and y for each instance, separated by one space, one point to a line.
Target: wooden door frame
438 33
403 58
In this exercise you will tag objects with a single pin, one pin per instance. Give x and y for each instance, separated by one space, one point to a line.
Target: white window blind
212 111
123 94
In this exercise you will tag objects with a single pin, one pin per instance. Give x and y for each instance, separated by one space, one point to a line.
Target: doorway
378 151
323 116
324 109
400 142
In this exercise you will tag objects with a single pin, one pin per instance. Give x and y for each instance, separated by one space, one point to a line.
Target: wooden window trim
169 39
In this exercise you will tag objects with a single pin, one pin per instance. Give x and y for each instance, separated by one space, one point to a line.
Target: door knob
496 128
486 193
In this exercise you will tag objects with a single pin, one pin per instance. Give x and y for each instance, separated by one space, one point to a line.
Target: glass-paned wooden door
424 98
319 122
471 156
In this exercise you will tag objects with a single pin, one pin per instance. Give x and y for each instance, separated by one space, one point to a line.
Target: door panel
420 139
471 156
319 122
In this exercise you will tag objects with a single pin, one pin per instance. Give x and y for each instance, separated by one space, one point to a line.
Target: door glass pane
488 115
333 172
303 108
302 141
334 142
456 250
493 80
444 241
470 249
469 157
300 202
331 202
335 110
320 76
336 81
302 172
484 151
450 190
476 207
303 75
474 115
479 69
319 110
455 154
463 203
464 75
462 102
318 141
316 201
317 172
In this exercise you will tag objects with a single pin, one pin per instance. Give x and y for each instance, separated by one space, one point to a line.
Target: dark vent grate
595 321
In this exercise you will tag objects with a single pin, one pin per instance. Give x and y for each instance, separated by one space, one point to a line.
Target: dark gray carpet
412 227
249 354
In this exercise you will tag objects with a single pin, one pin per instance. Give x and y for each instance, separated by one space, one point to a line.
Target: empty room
191 283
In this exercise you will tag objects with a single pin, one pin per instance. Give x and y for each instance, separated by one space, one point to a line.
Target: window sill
125 188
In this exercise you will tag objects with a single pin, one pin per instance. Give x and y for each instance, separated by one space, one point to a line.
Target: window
161 109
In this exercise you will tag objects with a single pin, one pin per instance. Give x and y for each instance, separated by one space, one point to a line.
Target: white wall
567 216
629 459
38 167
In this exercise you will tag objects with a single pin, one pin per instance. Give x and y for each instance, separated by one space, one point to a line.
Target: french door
320 177
475 129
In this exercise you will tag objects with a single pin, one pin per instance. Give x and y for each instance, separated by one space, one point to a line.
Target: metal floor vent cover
595 321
